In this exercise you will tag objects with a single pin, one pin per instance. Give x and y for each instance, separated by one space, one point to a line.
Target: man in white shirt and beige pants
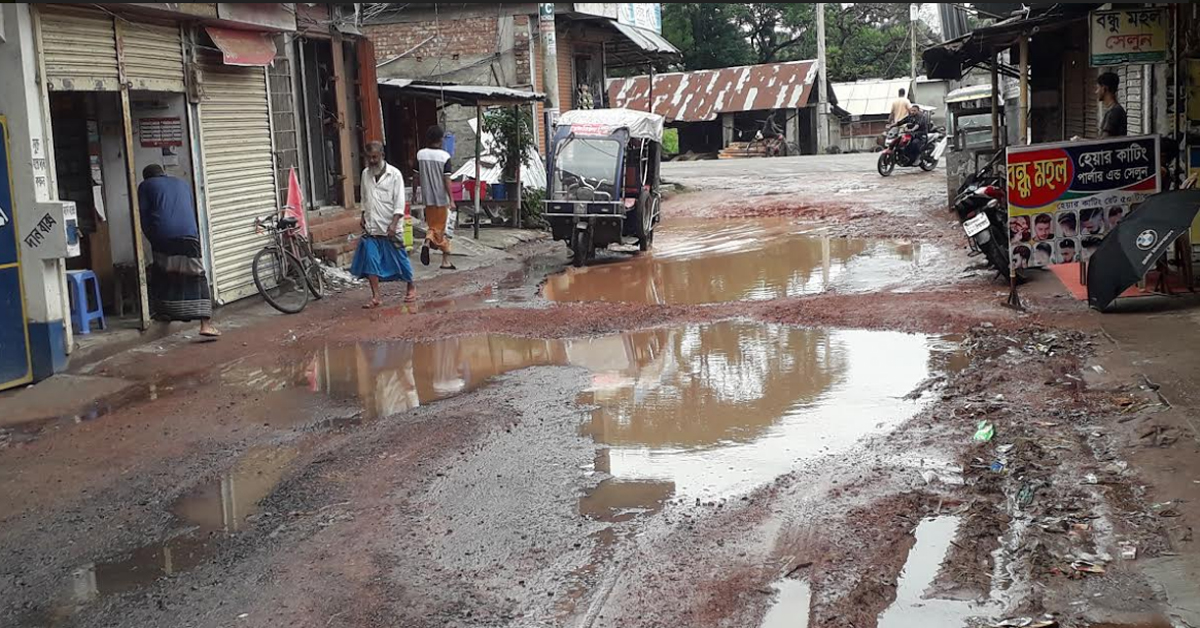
378 258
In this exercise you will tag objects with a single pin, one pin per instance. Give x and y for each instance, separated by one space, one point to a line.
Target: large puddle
218 508
721 261
699 411
696 412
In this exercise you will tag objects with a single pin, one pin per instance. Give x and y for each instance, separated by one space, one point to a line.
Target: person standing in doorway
433 164
900 108
379 258
1115 122
179 289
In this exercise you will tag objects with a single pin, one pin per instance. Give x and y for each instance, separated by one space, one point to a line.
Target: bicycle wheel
280 278
315 277
313 273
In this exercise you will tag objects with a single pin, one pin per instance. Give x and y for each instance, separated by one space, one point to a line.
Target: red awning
248 48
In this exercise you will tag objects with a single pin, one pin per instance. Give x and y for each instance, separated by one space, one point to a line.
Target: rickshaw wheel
645 219
581 246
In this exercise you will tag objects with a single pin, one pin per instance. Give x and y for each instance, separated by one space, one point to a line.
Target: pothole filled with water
915 604
213 510
729 261
791 608
700 411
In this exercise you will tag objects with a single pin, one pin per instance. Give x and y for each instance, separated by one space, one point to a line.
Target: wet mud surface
768 422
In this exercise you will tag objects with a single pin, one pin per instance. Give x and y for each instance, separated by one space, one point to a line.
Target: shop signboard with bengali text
647 15
1130 36
1063 199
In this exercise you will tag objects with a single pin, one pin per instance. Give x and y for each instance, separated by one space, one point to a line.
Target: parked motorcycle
982 210
895 150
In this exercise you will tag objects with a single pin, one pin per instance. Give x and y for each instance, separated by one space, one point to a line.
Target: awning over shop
466 95
243 48
952 60
636 46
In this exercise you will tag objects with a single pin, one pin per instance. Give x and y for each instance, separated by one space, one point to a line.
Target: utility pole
546 25
914 15
822 84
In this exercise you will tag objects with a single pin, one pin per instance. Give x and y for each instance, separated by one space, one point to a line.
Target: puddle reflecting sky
709 410
220 507
791 608
697 262
700 411
912 607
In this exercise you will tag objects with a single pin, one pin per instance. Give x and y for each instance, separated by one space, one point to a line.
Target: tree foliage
706 34
863 40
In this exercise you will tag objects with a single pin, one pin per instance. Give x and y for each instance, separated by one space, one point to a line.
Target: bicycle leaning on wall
286 272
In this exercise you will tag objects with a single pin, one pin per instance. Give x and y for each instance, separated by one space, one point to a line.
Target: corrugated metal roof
871 97
647 40
703 95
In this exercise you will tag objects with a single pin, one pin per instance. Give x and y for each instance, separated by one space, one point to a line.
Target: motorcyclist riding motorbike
919 125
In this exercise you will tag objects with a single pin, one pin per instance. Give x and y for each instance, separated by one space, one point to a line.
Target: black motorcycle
982 210
896 153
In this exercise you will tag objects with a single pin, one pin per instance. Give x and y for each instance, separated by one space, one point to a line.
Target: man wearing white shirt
378 258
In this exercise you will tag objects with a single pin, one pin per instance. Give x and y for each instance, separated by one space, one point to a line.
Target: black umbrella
1138 243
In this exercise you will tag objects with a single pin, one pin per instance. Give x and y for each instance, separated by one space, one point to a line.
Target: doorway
93 170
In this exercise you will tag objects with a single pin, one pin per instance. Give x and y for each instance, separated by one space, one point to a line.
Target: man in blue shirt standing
179 289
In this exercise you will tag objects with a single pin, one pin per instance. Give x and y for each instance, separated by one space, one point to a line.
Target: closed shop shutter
566 75
235 130
153 57
79 49
1075 96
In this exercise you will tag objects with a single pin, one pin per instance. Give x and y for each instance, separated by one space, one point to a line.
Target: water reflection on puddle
702 410
791 607
727 261
912 608
696 412
221 507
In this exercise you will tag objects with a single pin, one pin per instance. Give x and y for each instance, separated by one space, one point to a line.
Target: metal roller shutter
239 175
79 49
153 57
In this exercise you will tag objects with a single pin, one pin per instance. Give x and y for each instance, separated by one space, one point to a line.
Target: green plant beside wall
512 130
532 208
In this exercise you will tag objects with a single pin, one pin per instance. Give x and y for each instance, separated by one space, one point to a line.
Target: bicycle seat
287 223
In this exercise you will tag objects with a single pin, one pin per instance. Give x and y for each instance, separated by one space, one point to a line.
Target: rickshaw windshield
586 166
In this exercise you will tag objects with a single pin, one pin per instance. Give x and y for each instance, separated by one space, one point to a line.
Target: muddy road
770 421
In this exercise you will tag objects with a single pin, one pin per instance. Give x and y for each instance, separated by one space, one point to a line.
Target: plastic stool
82 313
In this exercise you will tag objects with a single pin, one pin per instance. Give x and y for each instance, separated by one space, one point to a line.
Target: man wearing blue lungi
379 258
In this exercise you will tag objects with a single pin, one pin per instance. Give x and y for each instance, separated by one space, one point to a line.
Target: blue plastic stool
82 313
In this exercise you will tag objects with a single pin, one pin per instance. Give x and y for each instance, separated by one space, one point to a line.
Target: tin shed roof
703 95
872 97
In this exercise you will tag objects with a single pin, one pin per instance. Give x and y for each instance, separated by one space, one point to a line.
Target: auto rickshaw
604 180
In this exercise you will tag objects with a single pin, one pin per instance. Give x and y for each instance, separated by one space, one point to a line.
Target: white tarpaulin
533 174
604 121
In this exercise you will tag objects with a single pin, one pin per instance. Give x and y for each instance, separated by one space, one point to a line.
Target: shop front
116 103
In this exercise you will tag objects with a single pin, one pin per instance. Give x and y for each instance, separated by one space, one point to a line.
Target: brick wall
287 154
455 38
521 49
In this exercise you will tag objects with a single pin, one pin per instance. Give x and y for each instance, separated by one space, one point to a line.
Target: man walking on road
434 166
178 284
378 258
1115 122
900 108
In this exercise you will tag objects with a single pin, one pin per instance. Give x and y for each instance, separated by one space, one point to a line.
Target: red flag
295 202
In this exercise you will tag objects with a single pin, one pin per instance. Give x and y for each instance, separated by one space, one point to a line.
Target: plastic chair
82 312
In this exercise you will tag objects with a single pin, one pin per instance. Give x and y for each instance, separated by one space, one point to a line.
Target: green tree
706 34
863 40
